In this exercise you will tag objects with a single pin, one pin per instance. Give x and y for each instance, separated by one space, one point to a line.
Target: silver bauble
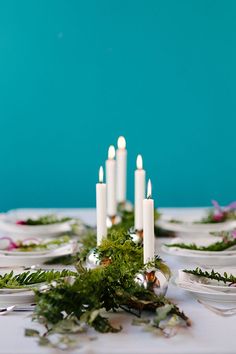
92 260
153 280
136 236
113 220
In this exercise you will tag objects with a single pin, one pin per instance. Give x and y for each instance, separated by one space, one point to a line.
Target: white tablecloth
209 334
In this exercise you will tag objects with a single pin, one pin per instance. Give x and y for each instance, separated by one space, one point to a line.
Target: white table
209 334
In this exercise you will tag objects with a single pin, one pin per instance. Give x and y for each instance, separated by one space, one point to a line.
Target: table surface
209 334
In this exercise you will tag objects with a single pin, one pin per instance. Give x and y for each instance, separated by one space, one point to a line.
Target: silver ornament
136 236
152 279
113 220
92 260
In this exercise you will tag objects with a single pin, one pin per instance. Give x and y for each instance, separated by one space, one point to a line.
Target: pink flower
218 216
20 222
234 233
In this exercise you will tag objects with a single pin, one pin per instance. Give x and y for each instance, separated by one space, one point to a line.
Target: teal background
74 75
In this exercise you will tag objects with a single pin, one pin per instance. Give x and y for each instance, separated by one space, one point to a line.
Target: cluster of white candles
109 194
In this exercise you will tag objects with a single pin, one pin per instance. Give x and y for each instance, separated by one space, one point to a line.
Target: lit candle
101 207
148 226
139 193
121 158
111 182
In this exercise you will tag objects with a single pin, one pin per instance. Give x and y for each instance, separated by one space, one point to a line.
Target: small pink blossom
218 216
20 222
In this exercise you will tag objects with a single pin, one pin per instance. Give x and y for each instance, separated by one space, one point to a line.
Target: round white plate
24 297
29 260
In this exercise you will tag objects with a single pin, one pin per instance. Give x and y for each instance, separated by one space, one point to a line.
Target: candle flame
121 143
149 189
139 162
100 175
111 152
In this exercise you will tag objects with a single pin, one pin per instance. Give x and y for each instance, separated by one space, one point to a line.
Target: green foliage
226 278
215 247
211 219
29 278
46 220
127 218
43 245
110 286
81 299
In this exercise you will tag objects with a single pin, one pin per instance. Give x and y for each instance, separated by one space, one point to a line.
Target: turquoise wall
74 75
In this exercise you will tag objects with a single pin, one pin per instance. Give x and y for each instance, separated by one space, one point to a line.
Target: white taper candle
148 226
139 193
111 182
121 158
101 208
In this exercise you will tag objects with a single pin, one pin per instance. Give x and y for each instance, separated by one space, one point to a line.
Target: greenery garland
80 300
74 301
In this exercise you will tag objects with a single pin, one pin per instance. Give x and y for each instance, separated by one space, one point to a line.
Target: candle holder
136 236
152 279
113 220
93 259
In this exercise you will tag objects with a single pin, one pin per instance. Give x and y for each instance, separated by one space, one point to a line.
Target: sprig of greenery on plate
29 278
215 247
44 220
225 277
219 214
43 245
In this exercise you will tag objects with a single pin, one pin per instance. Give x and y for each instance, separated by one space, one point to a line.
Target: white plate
8 226
29 260
24 297
205 294
201 258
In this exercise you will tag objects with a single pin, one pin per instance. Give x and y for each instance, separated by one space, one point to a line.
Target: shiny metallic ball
92 260
153 280
136 236
113 220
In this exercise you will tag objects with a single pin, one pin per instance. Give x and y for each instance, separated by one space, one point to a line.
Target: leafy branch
215 247
226 278
44 220
26 279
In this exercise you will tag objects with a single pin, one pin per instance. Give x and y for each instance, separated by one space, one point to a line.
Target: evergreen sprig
225 277
42 245
215 247
26 279
45 220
